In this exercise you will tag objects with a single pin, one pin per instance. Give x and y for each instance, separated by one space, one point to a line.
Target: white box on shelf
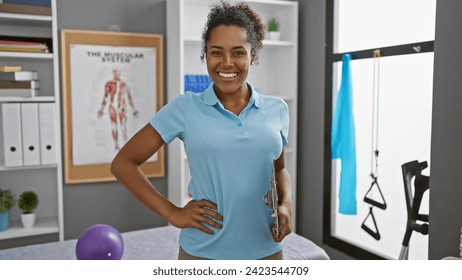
30 133
47 133
12 142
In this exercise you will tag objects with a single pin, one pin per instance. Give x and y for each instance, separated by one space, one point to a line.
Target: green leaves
273 24
7 200
28 201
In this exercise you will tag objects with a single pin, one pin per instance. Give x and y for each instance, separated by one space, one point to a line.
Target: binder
47 133
12 142
30 133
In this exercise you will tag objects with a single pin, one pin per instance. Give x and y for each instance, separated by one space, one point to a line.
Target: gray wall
311 123
110 203
446 155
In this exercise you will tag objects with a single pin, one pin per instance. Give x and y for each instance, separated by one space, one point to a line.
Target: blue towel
343 141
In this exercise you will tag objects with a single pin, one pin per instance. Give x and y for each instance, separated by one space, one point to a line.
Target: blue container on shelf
4 221
196 83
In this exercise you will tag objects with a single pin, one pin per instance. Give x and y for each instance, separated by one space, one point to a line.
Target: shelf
266 43
38 24
27 99
21 168
14 18
27 55
269 43
42 226
193 40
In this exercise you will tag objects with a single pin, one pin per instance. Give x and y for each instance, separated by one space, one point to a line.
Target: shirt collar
210 98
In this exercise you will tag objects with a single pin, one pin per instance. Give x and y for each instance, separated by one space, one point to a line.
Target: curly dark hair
240 15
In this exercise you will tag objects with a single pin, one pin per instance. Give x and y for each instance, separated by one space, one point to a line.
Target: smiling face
228 59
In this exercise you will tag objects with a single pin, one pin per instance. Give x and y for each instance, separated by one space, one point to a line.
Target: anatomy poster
113 96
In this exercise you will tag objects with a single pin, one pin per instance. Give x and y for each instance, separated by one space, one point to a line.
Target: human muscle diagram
113 96
117 96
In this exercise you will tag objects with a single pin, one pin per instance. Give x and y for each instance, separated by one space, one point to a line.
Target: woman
231 135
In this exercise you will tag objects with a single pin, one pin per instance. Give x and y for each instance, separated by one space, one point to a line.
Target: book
20 43
6 68
45 3
19 76
25 9
19 84
21 49
18 92
22 46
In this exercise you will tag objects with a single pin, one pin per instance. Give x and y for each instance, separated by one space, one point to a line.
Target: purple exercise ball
100 242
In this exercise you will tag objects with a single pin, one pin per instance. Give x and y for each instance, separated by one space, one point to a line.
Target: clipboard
271 200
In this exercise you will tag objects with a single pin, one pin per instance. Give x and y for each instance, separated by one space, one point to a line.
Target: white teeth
227 75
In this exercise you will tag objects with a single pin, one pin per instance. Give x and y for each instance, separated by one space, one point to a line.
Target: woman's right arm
126 168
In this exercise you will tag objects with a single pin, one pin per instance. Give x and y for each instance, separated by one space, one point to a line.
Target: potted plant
28 202
7 201
273 29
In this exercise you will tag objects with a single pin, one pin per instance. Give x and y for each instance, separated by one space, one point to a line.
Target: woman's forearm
134 180
126 168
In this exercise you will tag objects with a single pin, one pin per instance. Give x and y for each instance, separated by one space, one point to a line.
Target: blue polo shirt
230 159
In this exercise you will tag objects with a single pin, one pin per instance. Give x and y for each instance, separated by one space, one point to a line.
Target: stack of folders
30 7
29 134
19 84
23 46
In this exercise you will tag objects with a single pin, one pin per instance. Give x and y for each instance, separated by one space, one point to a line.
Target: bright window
405 110
367 24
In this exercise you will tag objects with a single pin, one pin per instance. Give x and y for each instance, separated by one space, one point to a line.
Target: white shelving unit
276 73
45 180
